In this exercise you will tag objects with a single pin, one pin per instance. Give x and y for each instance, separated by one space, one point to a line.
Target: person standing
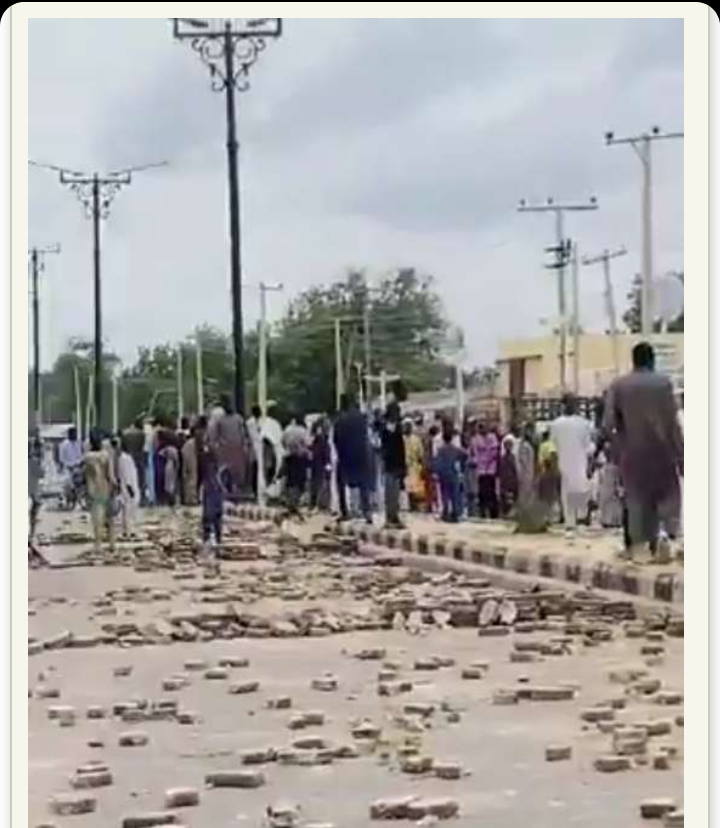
548 484
350 437
129 489
470 473
447 466
392 445
101 488
641 413
508 477
227 435
171 472
134 441
190 465
254 431
320 466
485 448
36 473
70 455
415 466
609 485
572 435
212 497
526 466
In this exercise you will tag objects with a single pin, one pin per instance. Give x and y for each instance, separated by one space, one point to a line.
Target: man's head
95 439
185 423
72 434
392 412
407 427
139 423
643 357
256 412
226 404
569 404
345 402
481 428
508 445
529 431
448 432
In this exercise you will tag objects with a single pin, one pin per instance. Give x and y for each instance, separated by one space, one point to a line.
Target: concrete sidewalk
588 559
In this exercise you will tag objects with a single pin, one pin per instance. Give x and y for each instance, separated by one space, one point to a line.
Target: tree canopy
407 336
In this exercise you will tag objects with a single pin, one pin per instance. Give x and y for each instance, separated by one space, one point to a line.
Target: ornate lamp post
229 47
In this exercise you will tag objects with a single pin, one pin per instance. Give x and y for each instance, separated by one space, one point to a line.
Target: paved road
502 747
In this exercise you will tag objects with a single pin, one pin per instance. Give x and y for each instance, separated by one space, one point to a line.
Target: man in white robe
572 436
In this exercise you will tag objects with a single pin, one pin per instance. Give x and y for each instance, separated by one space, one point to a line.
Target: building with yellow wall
531 367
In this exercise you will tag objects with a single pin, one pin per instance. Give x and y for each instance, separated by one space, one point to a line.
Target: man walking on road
641 412
101 488
572 435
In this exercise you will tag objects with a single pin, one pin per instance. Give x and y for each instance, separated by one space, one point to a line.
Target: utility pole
383 378
367 348
339 382
642 144
96 193
560 250
115 405
605 258
199 375
180 392
576 319
37 261
78 402
229 48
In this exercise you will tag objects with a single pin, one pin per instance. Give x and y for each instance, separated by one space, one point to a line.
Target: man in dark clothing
641 413
352 445
134 438
394 467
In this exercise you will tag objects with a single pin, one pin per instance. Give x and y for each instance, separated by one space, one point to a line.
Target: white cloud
363 142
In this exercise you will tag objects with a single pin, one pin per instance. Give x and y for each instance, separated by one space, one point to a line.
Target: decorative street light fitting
229 47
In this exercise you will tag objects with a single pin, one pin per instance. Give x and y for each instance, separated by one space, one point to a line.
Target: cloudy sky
365 142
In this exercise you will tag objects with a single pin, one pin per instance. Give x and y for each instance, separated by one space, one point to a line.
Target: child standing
212 497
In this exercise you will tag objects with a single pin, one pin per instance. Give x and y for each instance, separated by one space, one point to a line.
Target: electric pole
339 382
96 193
561 250
180 391
199 375
383 378
605 258
642 144
37 262
576 318
229 48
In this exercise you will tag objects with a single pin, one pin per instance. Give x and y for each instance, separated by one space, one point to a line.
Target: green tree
407 330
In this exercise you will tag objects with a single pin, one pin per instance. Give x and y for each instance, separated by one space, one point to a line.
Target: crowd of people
623 472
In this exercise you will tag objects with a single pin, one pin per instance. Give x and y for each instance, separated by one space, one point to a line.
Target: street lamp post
229 48
642 146
36 260
96 193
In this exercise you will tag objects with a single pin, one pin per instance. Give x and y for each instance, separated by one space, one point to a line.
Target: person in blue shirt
448 466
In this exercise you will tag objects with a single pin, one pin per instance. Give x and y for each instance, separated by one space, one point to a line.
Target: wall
542 367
